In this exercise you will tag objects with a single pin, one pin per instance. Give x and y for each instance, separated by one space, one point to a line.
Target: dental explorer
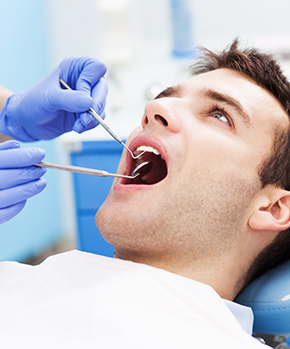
105 126
140 170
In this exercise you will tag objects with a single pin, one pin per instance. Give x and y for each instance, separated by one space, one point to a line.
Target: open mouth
158 171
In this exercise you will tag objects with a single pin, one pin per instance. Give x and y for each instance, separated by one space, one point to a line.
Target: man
225 142
194 226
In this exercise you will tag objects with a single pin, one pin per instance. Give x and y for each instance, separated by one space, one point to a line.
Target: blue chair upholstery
269 298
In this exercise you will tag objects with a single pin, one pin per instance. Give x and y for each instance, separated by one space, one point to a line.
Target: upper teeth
147 148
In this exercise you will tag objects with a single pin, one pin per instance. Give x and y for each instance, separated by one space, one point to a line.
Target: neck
213 272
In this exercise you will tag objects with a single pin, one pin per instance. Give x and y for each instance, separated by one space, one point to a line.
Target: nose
162 113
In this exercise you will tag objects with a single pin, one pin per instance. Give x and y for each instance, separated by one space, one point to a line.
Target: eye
218 112
221 117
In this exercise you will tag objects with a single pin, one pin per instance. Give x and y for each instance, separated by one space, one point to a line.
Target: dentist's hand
46 110
19 180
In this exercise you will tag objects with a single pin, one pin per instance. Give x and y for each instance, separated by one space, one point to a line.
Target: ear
270 209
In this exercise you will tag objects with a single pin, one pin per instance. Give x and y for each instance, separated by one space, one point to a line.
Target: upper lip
147 140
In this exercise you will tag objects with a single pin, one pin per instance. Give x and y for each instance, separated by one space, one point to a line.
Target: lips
154 152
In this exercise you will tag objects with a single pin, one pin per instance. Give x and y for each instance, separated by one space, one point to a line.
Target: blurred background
148 45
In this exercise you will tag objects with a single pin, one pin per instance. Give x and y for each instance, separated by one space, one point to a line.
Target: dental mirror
142 169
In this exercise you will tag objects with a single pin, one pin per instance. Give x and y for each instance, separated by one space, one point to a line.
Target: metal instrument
140 170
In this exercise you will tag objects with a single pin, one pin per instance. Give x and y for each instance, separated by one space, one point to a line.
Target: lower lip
123 188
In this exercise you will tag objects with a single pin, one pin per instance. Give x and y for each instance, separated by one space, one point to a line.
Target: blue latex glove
19 180
46 110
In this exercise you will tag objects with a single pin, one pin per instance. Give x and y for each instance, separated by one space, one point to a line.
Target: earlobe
271 210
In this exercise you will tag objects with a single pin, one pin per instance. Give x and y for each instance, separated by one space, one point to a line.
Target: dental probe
106 127
140 170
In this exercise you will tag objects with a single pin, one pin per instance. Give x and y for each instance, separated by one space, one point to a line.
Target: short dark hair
264 70
260 67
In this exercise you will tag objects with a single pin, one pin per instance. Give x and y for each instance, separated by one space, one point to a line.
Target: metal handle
84 170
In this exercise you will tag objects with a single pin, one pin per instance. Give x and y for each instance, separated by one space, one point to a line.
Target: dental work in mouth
158 169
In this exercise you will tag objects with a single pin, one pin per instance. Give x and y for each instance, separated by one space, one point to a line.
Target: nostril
160 119
145 121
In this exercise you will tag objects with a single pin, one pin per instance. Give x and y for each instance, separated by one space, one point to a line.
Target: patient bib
82 300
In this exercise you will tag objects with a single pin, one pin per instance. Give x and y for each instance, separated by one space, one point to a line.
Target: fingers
9 145
81 73
85 77
8 213
14 195
79 101
99 95
86 121
20 157
19 180
86 74
92 70
13 177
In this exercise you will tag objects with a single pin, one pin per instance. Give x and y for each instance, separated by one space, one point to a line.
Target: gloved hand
18 179
46 110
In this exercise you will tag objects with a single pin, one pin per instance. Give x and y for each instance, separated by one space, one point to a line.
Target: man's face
212 131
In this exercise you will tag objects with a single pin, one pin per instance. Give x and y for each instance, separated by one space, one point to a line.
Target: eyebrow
225 98
174 91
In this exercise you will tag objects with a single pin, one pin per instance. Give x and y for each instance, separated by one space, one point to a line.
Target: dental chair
269 298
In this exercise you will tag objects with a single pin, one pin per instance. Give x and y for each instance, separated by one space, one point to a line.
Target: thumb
72 101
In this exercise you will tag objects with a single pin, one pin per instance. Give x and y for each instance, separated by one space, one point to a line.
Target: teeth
147 148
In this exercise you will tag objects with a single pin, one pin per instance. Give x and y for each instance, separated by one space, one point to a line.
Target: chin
126 229
114 225
104 222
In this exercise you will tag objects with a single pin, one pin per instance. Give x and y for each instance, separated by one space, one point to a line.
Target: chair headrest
269 298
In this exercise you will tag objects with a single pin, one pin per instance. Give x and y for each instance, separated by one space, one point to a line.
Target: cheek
215 153
217 170
217 200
